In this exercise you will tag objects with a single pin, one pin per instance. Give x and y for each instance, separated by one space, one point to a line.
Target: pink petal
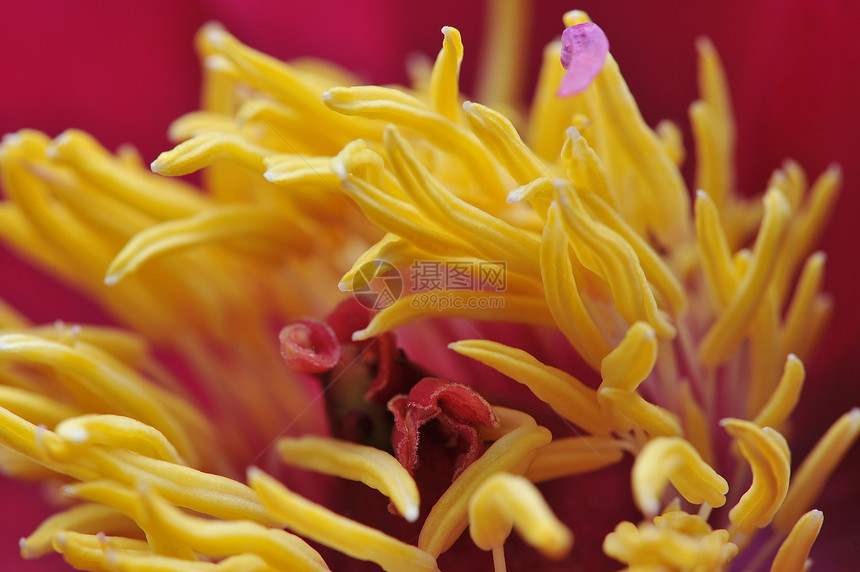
309 346
583 51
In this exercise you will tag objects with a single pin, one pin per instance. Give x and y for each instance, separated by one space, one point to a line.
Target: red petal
404 435
456 408
433 395
309 346
349 316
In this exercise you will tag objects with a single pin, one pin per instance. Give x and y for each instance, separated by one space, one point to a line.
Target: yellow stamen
208 148
130 503
714 253
630 363
768 455
654 267
673 459
617 263
662 546
562 295
345 535
727 332
505 41
375 468
444 82
713 126
584 167
652 419
104 380
807 226
567 395
402 110
573 456
499 135
796 327
672 140
280 549
504 501
152 195
517 441
816 468
213 225
37 408
783 400
120 432
85 518
792 555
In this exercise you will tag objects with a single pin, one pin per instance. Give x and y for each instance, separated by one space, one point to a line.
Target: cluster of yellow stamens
696 326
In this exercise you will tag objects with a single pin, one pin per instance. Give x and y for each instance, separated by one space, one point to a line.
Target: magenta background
124 70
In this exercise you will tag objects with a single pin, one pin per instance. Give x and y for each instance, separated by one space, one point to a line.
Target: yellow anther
653 419
731 325
403 219
470 305
371 466
656 269
84 518
499 135
572 399
783 400
617 263
129 502
228 538
35 407
348 536
208 148
674 460
217 224
653 547
444 81
206 493
504 501
796 327
505 45
666 201
573 456
294 170
492 237
672 140
200 122
794 551
807 225
812 475
517 441
104 553
400 109
548 111
630 363
562 295
104 379
155 196
713 249
33 442
770 460
585 169
120 432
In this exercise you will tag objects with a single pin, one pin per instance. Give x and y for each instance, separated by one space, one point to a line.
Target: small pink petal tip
583 52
